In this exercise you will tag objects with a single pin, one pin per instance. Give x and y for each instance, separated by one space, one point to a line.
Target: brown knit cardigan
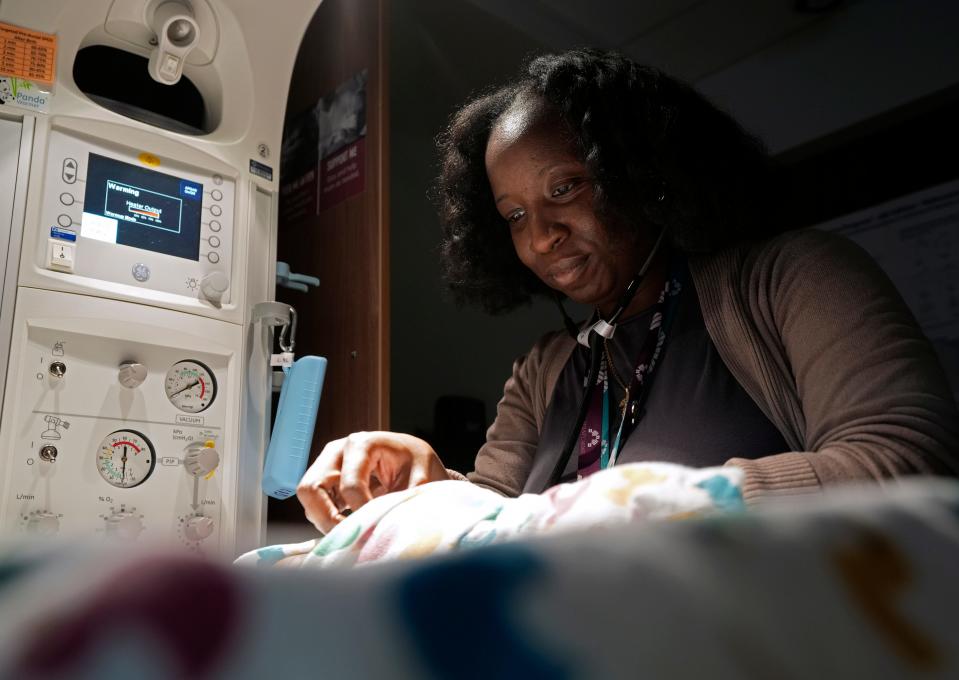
819 337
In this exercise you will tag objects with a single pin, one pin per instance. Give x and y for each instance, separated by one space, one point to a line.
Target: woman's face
544 193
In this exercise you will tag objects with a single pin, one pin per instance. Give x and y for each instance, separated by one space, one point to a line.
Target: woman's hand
351 471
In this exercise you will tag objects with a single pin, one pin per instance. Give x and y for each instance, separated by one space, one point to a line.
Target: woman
789 355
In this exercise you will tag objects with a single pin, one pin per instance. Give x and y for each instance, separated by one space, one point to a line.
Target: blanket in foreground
855 584
451 515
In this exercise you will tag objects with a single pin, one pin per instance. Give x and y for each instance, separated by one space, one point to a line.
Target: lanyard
596 450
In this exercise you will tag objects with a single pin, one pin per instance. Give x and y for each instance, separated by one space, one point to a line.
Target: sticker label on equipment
65 234
190 420
169 461
27 54
282 359
25 94
261 170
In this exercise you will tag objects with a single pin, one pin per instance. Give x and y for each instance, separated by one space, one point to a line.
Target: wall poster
324 153
341 119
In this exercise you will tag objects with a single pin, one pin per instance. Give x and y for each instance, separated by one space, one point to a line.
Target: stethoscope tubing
595 340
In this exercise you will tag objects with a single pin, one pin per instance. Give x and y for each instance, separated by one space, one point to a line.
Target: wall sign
341 119
324 153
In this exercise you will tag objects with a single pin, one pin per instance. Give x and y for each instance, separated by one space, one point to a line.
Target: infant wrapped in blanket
450 515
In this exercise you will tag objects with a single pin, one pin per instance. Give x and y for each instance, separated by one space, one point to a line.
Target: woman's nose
546 234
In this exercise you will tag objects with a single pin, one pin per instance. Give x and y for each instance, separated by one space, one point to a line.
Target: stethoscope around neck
593 337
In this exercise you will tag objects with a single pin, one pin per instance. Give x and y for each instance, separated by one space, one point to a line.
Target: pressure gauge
126 458
190 386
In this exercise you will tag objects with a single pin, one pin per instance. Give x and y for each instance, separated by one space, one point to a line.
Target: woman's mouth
566 271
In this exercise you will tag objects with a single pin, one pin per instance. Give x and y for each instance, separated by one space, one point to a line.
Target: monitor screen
134 206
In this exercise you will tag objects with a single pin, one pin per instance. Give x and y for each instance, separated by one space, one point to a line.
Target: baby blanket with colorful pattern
850 583
452 515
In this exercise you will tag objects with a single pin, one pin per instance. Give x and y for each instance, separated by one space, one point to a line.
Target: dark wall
892 154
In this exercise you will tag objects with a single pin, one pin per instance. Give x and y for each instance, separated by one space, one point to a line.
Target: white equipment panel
135 223
136 404
170 479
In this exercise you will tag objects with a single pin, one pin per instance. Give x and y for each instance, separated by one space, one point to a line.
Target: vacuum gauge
190 386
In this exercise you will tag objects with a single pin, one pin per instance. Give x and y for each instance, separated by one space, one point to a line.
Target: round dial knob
201 458
214 285
43 523
132 374
197 528
124 525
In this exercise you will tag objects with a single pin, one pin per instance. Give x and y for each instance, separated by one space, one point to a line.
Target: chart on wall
915 239
341 120
324 152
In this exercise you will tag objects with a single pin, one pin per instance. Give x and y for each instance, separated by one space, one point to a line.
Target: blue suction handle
289 448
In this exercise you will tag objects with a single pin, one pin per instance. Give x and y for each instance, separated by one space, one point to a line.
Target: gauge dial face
125 458
190 386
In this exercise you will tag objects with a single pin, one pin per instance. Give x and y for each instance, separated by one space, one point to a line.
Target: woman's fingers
319 507
350 472
317 490
359 454
332 487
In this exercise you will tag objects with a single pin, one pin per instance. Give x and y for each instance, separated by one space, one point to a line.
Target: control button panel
164 227
142 460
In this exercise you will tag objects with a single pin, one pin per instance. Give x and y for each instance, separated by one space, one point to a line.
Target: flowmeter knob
124 525
58 369
197 528
201 458
214 285
132 374
43 523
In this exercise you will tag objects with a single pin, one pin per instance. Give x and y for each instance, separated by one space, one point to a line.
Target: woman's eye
563 189
515 216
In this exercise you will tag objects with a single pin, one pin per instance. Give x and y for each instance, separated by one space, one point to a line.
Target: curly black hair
660 155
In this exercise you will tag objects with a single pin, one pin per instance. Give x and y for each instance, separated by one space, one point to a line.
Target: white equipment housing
137 385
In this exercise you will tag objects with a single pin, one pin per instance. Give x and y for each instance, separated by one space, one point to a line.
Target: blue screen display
142 208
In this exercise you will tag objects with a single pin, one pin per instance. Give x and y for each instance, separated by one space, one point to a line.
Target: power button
61 255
